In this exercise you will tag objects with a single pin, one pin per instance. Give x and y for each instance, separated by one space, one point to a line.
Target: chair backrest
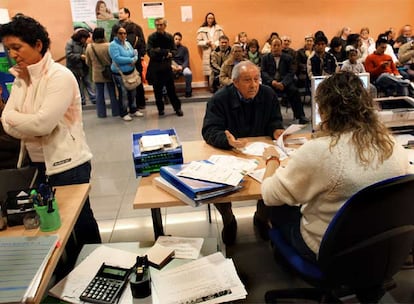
371 235
16 179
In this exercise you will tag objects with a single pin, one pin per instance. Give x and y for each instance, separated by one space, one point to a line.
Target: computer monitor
316 119
315 81
365 80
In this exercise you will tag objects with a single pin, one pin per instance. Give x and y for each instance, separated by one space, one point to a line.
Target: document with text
212 279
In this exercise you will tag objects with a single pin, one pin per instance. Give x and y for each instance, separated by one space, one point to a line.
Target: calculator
107 285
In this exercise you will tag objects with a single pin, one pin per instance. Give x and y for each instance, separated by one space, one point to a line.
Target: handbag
130 81
106 72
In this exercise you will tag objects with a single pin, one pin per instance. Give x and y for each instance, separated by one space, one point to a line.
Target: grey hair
235 73
161 18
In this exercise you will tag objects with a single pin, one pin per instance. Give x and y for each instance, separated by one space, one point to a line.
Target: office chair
366 243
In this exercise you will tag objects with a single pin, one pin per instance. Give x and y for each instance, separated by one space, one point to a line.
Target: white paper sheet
212 173
258 174
244 165
184 248
212 279
257 148
148 141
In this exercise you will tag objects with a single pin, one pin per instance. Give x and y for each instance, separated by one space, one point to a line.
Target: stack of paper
212 279
22 263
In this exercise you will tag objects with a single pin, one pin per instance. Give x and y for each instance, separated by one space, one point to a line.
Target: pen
50 202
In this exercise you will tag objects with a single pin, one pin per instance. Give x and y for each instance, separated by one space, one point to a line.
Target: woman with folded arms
123 58
352 150
44 111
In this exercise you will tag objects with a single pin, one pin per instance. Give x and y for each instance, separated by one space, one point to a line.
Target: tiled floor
114 185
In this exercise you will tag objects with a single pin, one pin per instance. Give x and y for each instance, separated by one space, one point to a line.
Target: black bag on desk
18 205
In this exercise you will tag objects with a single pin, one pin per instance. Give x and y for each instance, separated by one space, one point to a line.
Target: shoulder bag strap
120 71
97 57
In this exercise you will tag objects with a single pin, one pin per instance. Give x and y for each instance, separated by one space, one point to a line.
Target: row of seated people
317 59
277 71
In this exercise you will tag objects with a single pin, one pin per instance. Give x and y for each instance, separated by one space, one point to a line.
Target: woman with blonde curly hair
352 150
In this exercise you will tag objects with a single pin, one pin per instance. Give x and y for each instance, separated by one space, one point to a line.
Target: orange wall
256 17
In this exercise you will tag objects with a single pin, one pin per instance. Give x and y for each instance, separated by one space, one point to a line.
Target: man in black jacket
278 73
161 49
244 108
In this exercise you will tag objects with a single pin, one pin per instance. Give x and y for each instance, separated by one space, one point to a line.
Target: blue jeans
86 228
287 219
126 99
188 76
100 99
390 83
85 83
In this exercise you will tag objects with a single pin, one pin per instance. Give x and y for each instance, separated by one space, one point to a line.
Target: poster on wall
153 10
89 14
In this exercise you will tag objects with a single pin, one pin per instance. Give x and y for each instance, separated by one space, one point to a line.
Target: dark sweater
225 111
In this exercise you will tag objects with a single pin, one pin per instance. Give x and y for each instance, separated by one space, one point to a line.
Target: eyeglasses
159 24
122 33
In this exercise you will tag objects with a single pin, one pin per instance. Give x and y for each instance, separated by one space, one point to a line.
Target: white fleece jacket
321 180
47 116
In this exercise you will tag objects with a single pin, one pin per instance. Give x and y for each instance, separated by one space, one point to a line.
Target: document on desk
184 247
212 173
212 279
70 288
244 165
24 260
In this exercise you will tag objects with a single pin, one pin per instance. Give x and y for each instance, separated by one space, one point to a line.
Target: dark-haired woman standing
44 111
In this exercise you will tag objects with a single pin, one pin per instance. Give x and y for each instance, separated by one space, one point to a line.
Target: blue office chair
366 243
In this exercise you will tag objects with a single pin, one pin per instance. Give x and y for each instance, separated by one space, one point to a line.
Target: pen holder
49 221
140 289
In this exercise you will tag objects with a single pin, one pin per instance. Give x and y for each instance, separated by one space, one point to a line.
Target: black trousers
160 75
293 95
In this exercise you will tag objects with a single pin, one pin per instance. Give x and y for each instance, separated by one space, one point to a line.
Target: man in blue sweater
181 63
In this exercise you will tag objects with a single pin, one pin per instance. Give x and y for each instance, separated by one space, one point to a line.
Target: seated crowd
237 111
389 62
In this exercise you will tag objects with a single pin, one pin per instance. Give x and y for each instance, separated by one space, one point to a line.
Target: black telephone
107 285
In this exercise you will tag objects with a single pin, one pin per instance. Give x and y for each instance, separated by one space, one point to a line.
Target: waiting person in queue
97 57
75 61
278 71
161 50
44 111
181 63
123 58
244 108
352 150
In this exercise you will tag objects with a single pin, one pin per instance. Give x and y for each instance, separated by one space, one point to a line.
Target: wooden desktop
70 201
150 196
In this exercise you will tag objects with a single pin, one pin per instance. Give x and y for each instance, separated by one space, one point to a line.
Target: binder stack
191 191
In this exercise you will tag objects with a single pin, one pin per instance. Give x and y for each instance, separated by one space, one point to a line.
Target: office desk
150 196
70 201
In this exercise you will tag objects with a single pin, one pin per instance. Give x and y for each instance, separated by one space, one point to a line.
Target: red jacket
374 68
